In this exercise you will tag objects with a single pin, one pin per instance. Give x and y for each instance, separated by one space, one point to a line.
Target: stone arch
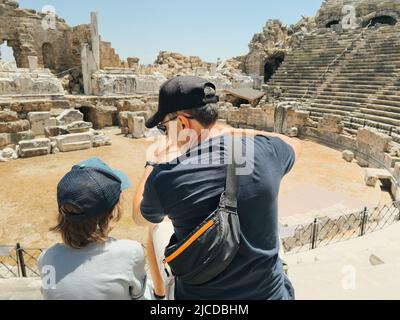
381 19
332 23
48 56
272 64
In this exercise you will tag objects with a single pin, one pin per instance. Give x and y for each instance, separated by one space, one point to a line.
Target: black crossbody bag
212 246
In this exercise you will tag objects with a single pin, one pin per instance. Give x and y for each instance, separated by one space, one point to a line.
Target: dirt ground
320 180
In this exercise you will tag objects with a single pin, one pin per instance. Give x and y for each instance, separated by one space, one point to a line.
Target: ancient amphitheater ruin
333 79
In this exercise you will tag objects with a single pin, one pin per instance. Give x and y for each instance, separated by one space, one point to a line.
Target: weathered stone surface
373 175
24 81
34 148
372 141
69 116
397 171
78 127
40 120
19 136
74 127
123 118
125 131
105 116
348 155
331 123
5 139
8 116
14 127
74 142
293 132
8 154
136 126
101 140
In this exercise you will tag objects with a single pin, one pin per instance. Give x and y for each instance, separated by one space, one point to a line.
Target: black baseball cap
182 93
93 187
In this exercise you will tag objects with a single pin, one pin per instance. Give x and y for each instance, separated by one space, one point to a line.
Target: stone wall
19 81
332 10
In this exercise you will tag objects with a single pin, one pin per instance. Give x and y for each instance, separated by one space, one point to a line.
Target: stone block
20 136
101 140
123 119
34 148
375 141
397 171
74 142
8 154
78 127
40 120
125 131
136 126
293 132
14 127
8 116
69 116
5 139
373 175
104 116
348 155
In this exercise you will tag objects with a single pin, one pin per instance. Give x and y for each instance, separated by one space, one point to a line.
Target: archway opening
385 20
7 52
48 56
272 65
332 23
87 113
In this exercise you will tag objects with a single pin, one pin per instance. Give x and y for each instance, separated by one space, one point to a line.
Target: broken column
136 126
281 117
90 55
124 122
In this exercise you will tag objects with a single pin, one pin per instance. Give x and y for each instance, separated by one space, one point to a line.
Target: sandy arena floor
320 181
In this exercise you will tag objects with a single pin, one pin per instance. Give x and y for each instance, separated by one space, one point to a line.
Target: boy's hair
77 234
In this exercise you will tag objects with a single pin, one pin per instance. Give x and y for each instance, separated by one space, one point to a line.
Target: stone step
373 111
345 109
344 99
329 111
380 120
365 92
337 102
355 86
393 98
386 102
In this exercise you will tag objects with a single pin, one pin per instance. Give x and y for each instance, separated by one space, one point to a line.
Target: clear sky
210 29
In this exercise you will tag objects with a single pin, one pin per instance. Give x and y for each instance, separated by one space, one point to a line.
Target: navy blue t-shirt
188 191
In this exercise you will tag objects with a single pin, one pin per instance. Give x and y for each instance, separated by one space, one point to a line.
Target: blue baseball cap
93 187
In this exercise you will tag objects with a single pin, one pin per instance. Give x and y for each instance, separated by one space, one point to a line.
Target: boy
90 265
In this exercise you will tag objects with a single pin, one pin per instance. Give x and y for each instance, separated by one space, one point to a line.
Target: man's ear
184 122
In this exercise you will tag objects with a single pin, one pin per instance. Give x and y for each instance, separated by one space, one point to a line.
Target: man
180 184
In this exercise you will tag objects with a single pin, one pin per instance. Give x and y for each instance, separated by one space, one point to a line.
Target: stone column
95 39
87 82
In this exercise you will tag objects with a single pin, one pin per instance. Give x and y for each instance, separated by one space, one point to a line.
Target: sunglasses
164 129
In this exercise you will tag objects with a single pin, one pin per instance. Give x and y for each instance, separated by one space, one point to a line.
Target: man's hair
77 233
206 115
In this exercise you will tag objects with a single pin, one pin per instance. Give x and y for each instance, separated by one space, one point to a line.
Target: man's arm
137 199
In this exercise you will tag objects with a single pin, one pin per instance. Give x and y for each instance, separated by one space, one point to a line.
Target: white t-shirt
114 270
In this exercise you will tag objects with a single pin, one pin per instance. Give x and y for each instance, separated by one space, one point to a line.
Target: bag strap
231 177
